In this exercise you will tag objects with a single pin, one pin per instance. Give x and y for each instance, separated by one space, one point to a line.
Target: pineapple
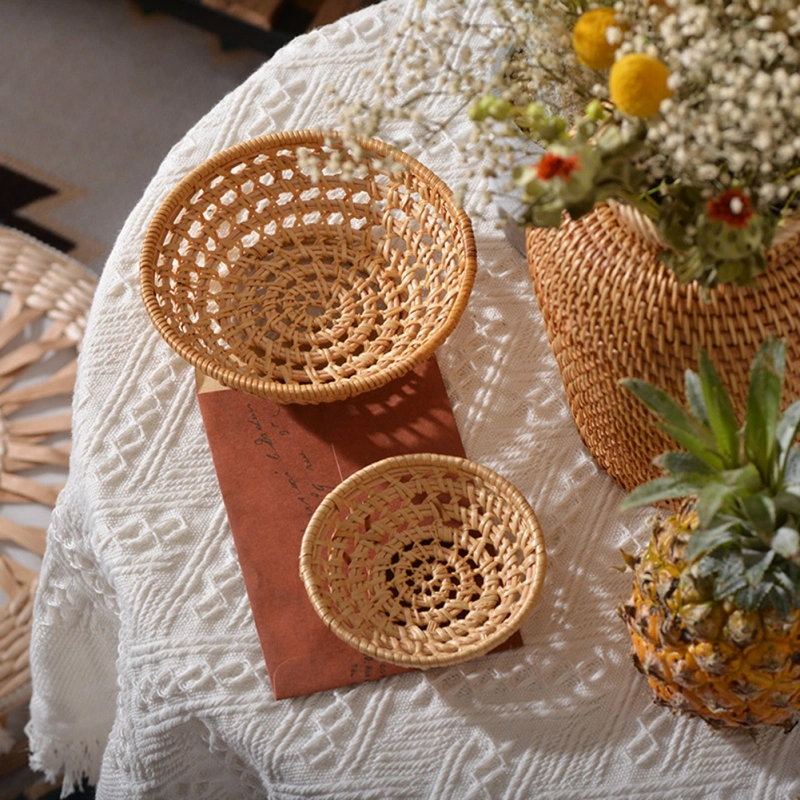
714 615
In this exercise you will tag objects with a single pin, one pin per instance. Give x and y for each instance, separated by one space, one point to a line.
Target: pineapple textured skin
704 657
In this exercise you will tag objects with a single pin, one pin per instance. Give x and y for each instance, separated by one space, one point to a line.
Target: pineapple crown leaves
745 480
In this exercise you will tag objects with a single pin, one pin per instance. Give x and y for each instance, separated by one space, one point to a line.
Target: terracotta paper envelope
275 463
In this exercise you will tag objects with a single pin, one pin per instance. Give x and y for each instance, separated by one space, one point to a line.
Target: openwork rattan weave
45 298
423 560
307 290
612 311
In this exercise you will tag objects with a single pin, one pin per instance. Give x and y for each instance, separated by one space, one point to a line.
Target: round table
148 674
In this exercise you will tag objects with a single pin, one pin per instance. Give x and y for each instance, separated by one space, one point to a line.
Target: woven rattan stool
423 560
45 298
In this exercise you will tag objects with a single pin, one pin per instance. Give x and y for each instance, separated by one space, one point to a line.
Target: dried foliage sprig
687 109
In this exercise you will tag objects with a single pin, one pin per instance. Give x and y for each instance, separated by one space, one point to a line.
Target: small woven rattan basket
296 284
423 560
612 310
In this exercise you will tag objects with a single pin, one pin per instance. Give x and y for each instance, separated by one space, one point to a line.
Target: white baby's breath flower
733 118
762 141
613 35
707 172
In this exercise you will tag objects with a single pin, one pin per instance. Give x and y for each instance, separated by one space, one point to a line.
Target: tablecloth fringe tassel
69 762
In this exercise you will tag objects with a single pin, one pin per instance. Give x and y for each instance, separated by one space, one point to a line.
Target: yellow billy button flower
638 84
589 38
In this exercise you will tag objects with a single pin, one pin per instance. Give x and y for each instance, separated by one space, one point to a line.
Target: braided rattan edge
632 218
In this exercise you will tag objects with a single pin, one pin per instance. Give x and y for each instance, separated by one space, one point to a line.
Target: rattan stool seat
45 298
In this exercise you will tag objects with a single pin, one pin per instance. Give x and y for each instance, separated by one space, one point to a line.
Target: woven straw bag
612 311
45 298
423 560
307 288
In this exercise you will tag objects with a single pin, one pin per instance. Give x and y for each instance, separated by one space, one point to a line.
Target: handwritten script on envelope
275 463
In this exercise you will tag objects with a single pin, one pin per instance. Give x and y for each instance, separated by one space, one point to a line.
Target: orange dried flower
553 165
733 207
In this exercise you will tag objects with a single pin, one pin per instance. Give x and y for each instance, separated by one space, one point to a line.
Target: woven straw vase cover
45 298
612 311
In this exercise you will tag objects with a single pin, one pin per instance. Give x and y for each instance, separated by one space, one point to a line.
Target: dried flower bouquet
686 110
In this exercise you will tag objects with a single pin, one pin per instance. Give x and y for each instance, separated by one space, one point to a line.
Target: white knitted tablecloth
148 674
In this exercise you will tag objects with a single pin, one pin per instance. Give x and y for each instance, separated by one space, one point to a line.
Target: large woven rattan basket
423 560
301 285
612 310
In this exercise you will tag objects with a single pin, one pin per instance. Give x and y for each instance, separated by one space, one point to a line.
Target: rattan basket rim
301 393
639 223
448 464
